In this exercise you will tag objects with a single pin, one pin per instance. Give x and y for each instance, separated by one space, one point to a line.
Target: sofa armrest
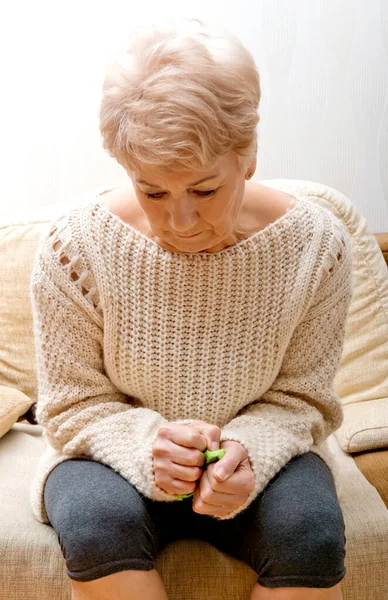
382 240
373 464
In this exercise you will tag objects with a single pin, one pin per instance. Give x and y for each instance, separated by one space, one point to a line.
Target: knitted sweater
129 336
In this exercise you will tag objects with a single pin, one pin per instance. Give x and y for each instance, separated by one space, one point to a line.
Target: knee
92 525
309 541
100 523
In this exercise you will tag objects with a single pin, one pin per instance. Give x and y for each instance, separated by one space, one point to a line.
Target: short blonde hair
179 97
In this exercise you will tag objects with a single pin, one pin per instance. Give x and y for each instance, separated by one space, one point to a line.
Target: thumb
226 467
230 461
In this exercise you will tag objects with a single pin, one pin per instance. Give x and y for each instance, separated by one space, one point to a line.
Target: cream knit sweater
129 335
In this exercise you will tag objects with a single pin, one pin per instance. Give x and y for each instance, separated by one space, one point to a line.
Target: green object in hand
210 456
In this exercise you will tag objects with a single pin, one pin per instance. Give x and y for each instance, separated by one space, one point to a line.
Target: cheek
144 204
154 213
226 208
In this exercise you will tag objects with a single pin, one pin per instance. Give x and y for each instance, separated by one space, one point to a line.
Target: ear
251 168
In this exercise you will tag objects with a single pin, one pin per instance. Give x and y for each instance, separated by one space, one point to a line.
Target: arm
82 413
300 408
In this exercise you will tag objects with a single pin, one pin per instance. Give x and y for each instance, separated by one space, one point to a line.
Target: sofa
32 566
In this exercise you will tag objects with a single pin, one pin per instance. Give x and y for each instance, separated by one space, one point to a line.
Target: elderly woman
186 311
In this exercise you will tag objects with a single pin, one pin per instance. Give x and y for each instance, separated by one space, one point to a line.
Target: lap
300 501
294 516
291 535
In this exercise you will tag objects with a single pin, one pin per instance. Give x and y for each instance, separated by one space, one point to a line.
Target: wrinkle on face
180 210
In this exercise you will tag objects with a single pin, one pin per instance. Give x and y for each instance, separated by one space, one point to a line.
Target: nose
183 216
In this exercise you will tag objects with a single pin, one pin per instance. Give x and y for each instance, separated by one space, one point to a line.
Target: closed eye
156 196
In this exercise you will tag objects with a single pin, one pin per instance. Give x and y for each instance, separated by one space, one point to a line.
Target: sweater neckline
286 219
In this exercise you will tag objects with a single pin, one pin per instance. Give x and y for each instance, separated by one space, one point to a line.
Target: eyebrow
194 183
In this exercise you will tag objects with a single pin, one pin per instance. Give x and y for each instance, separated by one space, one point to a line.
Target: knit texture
130 336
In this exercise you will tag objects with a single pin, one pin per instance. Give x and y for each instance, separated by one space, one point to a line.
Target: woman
190 309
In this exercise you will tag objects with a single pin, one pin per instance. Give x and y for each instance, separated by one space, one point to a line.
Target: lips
189 236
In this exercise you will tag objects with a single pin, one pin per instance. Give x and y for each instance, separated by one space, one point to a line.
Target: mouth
188 236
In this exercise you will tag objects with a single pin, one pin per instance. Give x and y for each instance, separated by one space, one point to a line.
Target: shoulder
266 205
121 201
64 261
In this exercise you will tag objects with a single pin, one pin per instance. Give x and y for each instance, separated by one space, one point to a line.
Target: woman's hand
178 454
219 497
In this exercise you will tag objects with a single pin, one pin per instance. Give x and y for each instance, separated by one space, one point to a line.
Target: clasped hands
178 458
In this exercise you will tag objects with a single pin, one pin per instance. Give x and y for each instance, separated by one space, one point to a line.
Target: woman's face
179 205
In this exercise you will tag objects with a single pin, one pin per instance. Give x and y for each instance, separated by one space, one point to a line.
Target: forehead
183 179
160 177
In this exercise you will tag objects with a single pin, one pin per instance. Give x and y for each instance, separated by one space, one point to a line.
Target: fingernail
221 473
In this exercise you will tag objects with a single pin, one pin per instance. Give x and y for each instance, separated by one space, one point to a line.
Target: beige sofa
32 566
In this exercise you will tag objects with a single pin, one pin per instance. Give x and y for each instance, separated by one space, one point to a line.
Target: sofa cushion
361 381
32 565
19 238
13 404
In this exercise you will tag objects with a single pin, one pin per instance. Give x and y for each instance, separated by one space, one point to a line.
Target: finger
199 505
183 473
211 432
210 496
174 486
228 464
239 483
178 454
183 435
203 508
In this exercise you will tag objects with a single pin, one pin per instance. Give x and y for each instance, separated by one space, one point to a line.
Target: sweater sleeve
300 409
82 413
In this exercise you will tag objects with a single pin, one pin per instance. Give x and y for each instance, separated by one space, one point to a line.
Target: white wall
324 109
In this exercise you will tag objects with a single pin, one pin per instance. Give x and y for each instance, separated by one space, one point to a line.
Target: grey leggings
291 535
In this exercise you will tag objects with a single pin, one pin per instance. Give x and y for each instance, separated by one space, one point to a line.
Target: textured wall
324 109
